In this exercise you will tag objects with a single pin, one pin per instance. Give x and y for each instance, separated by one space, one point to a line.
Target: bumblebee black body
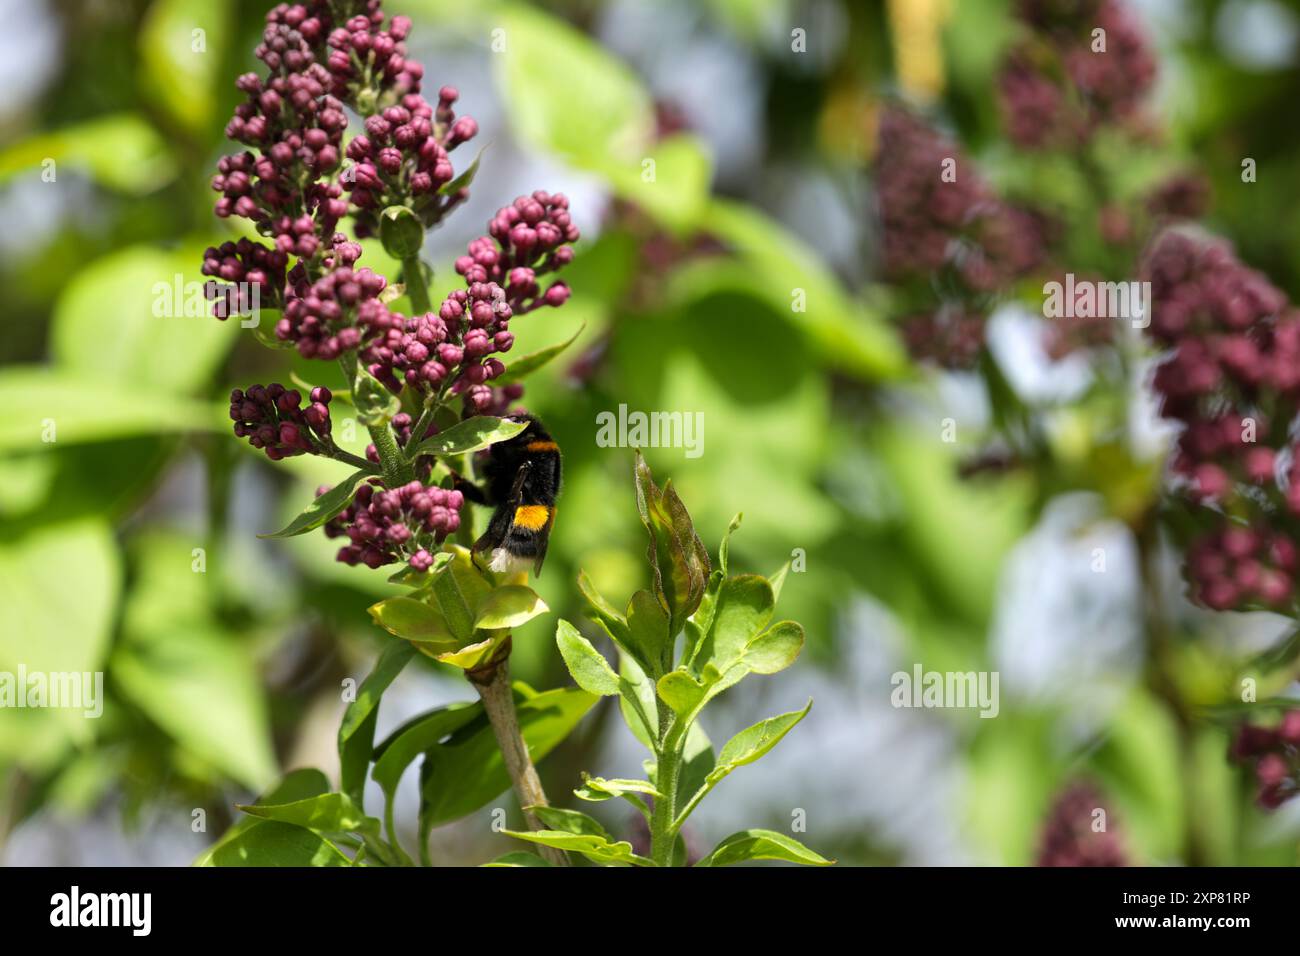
522 482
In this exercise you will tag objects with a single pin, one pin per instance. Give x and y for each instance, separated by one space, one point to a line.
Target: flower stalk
492 681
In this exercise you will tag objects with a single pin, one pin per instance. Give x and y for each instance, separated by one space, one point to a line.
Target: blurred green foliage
211 676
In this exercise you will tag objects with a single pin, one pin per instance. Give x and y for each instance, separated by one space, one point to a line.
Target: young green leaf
775 649
326 813
526 365
597 789
509 606
518 858
400 232
777 580
324 508
473 434
458 590
357 730
677 555
374 403
270 843
762 845
681 691
746 747
745 605
648 637
400 748
296 785
412 620
464 179
474 655
598 849
570 821
464 772
588 667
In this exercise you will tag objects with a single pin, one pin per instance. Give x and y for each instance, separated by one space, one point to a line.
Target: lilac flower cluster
528 238
367 61
272 418
1232 379
1058 86
1275 753
293 122
399 524
337 313
404 154
940 220
252 268
1068 837
453 350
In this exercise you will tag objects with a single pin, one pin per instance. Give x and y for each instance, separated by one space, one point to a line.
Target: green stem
421 426
415 287
663 835
391 830
397 470
493 686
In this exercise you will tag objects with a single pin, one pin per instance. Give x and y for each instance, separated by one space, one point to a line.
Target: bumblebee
521 481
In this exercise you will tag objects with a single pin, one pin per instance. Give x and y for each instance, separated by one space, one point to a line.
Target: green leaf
518 858
675 189
570 821
772 262
744 607
509 606
681 691
525 365
697 763
374 403
325 813
357 729
60 586
177 661
567 94
473 434
597 789
45 406
400 232
636 701
295 785
458 590
647 628
176 75
466 771
465 178
269 843
400 749
777 581
476 655
753 742
122 151
412 620
676 553
587 665
598 849
762 845
324 508
157 308
611 621
775 649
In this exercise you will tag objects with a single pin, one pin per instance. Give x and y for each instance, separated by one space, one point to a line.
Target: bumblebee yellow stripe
541 446
532 517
